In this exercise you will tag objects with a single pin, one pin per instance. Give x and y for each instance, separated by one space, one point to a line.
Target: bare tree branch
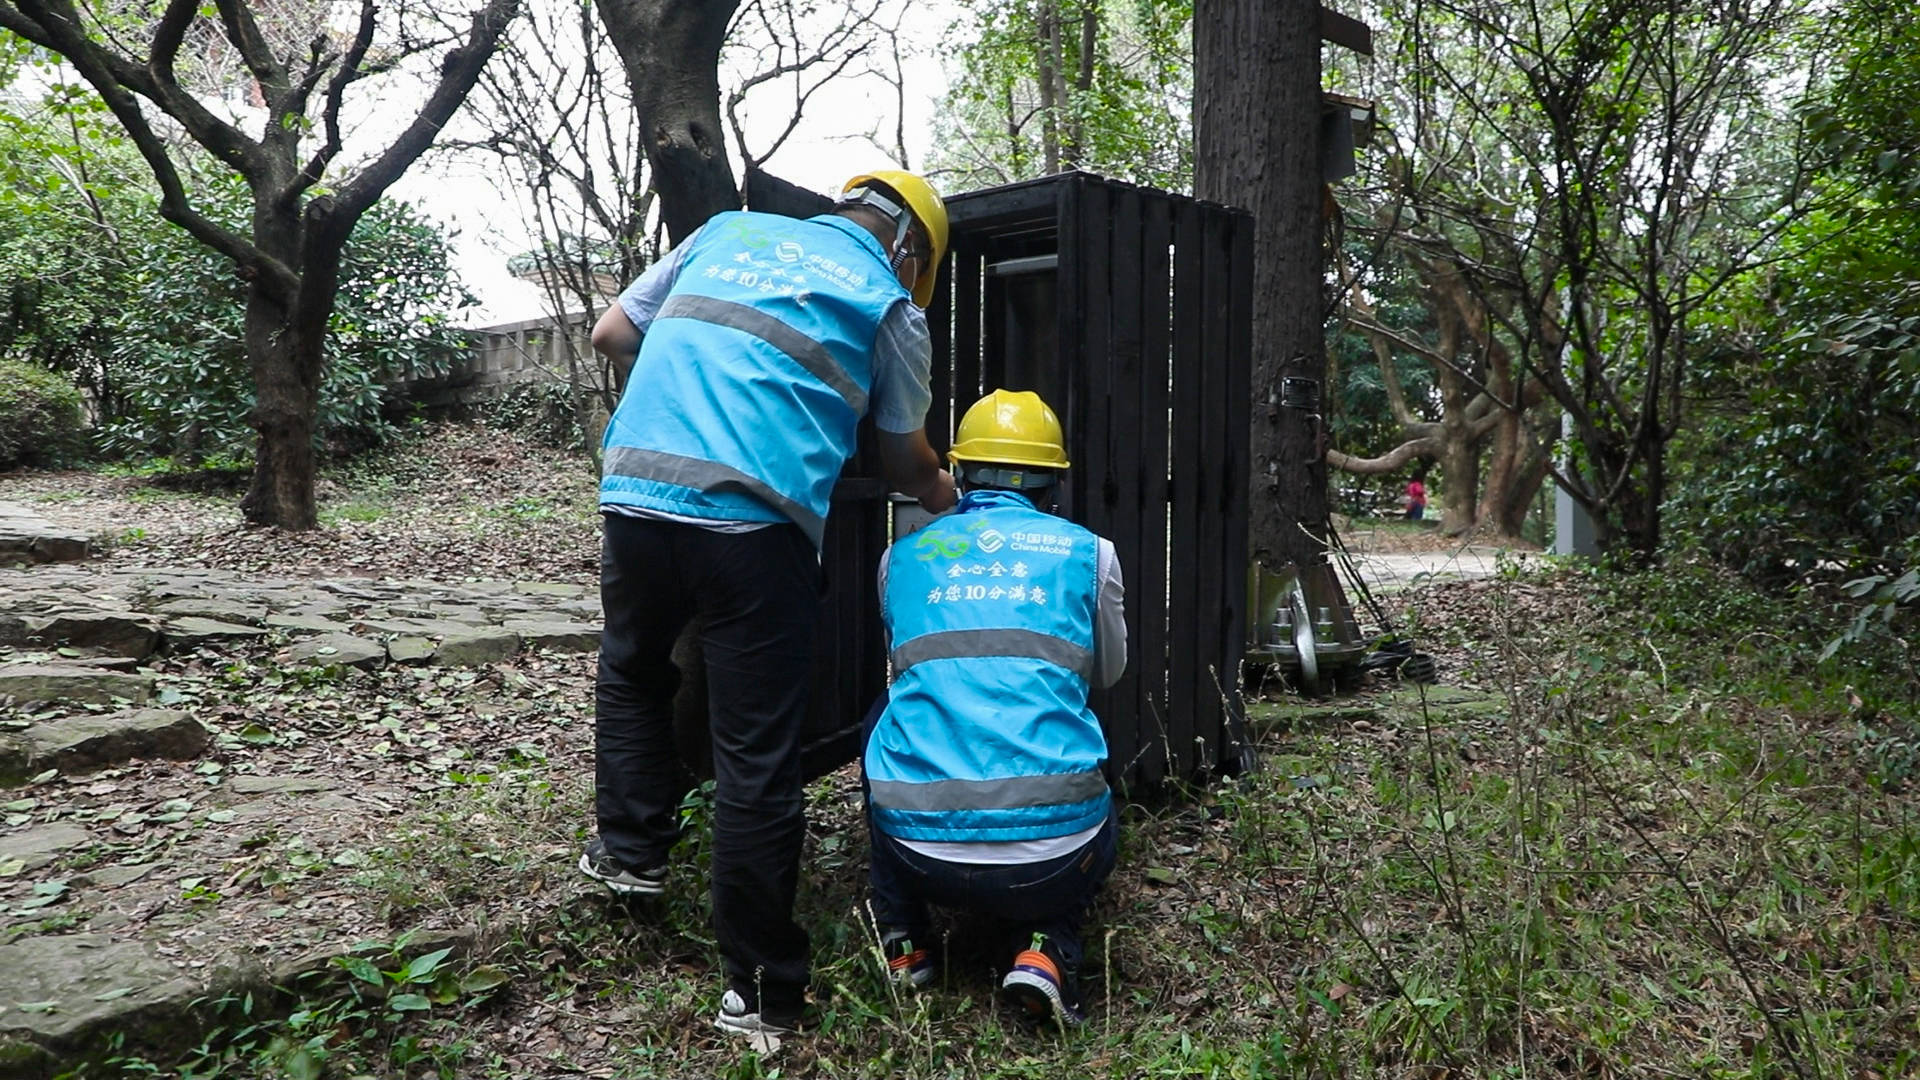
459 70
343 77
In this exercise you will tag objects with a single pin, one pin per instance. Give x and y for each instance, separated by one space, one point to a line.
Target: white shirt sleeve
902 370
641 300
1110 619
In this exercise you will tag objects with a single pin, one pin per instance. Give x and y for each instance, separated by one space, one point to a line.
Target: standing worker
985 789
760 341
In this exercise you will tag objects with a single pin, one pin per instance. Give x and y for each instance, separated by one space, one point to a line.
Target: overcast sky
828 147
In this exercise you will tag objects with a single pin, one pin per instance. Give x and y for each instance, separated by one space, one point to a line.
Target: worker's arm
913 468
617 334
616 338
902 391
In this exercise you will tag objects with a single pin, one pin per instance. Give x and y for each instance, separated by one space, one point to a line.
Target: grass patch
1677 846
359 510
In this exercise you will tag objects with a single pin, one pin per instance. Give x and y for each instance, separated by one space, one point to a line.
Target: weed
525 508
358 511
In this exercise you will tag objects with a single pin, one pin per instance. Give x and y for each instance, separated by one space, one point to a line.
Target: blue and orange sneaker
1039 987
907 965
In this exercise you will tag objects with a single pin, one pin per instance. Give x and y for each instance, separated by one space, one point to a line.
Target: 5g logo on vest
788 251
933 543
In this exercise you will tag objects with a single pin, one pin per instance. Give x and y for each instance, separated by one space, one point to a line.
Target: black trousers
758 594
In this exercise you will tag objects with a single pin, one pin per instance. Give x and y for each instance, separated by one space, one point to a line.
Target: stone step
70 1000
27 537
40 845
84 742
116 632
37 684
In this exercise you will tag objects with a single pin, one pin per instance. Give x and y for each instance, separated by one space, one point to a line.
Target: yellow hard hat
1010 427
927 209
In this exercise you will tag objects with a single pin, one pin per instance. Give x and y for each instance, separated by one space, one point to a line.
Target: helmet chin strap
902 220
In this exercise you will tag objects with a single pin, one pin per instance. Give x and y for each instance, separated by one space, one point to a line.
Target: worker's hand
940 498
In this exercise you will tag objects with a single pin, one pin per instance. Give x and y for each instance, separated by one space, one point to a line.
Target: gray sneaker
600 865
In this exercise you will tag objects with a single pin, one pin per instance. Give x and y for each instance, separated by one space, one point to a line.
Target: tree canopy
269 94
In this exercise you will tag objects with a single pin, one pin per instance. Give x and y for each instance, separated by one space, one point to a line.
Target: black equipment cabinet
1130 311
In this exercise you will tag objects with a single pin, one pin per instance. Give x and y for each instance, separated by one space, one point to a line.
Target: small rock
558 636
112 877
460 613
409 649
278 785
225 611
477 647
330 649
309 623
192 631
548 588
378 624
318 609
587 610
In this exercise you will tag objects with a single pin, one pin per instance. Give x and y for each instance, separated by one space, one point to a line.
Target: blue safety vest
751 380
987 735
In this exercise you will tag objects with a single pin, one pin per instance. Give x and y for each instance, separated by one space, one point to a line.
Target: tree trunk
1257 144
286 342
1459 454
1503 470
1047 29
286 381
1528 474
671 51
1460 466
1074 154
285 399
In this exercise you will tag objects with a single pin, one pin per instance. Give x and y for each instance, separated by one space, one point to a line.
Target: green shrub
40 417
185 385
541 411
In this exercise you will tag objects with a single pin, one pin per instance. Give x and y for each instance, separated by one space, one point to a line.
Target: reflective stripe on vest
956 644
805 351
1008 793
709 476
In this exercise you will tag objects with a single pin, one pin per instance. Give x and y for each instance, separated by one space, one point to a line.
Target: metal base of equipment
1304 627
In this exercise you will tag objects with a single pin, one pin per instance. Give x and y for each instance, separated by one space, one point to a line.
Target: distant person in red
1416 500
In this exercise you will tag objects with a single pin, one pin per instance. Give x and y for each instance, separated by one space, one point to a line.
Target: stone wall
534 350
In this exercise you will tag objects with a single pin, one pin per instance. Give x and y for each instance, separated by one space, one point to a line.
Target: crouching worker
985 789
